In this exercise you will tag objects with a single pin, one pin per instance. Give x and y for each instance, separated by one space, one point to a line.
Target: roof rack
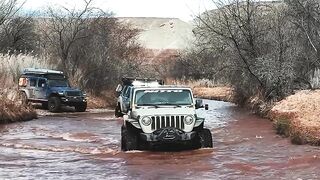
40 71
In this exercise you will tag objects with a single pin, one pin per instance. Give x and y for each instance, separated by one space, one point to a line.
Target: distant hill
161 33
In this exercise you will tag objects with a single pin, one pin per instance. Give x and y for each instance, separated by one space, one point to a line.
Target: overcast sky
183 9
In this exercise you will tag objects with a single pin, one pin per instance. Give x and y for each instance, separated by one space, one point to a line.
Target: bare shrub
17 35
252 45
10 112
94 49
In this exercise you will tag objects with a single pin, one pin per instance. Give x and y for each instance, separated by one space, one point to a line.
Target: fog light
146 121
188 120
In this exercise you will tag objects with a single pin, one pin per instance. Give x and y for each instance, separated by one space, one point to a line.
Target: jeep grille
73 93
159 122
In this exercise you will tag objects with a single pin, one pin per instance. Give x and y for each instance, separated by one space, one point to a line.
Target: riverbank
214 93
297 117
11 109
10 112
106 99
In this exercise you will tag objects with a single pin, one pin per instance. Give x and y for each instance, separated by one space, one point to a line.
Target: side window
128 92
124 90
33 82
40 82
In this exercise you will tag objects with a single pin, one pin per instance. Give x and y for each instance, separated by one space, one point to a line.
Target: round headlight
188 120
146 121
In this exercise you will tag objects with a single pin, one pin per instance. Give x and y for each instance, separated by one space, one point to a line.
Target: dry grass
195 83
12 111
214 93
12 65
302 111
10 69
207 89
107 99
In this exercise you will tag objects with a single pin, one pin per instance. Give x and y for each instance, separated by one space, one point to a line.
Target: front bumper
73 100
168 135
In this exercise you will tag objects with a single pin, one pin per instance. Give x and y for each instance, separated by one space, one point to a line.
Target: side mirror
119 88
199 103
206 107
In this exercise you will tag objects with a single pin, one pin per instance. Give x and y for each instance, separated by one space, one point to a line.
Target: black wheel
44 105
117 111
24 99
81 108
205 138
129 139
54 104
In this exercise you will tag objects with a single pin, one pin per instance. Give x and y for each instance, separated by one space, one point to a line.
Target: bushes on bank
10 112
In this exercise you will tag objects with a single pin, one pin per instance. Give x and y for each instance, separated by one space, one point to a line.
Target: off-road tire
205 138
117 111
129 139
81 107
44 105
54 104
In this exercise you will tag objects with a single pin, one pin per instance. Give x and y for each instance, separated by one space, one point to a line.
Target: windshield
163 97
58 83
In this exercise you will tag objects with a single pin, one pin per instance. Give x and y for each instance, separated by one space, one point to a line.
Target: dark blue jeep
50 88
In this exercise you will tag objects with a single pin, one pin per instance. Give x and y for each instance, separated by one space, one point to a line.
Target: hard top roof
43 73
29 71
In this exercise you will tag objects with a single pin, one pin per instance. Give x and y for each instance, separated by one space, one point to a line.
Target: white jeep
162 115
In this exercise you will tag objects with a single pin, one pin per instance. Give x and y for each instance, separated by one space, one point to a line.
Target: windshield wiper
171 104
145 104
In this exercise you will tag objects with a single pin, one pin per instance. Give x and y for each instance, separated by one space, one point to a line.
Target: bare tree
18 35
8 8
305 15
113 52
247 43
64 28
93 48
15 31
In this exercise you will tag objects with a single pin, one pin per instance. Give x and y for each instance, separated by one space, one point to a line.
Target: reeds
11 110
11 66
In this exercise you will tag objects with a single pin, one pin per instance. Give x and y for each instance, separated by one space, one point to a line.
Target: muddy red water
87 146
